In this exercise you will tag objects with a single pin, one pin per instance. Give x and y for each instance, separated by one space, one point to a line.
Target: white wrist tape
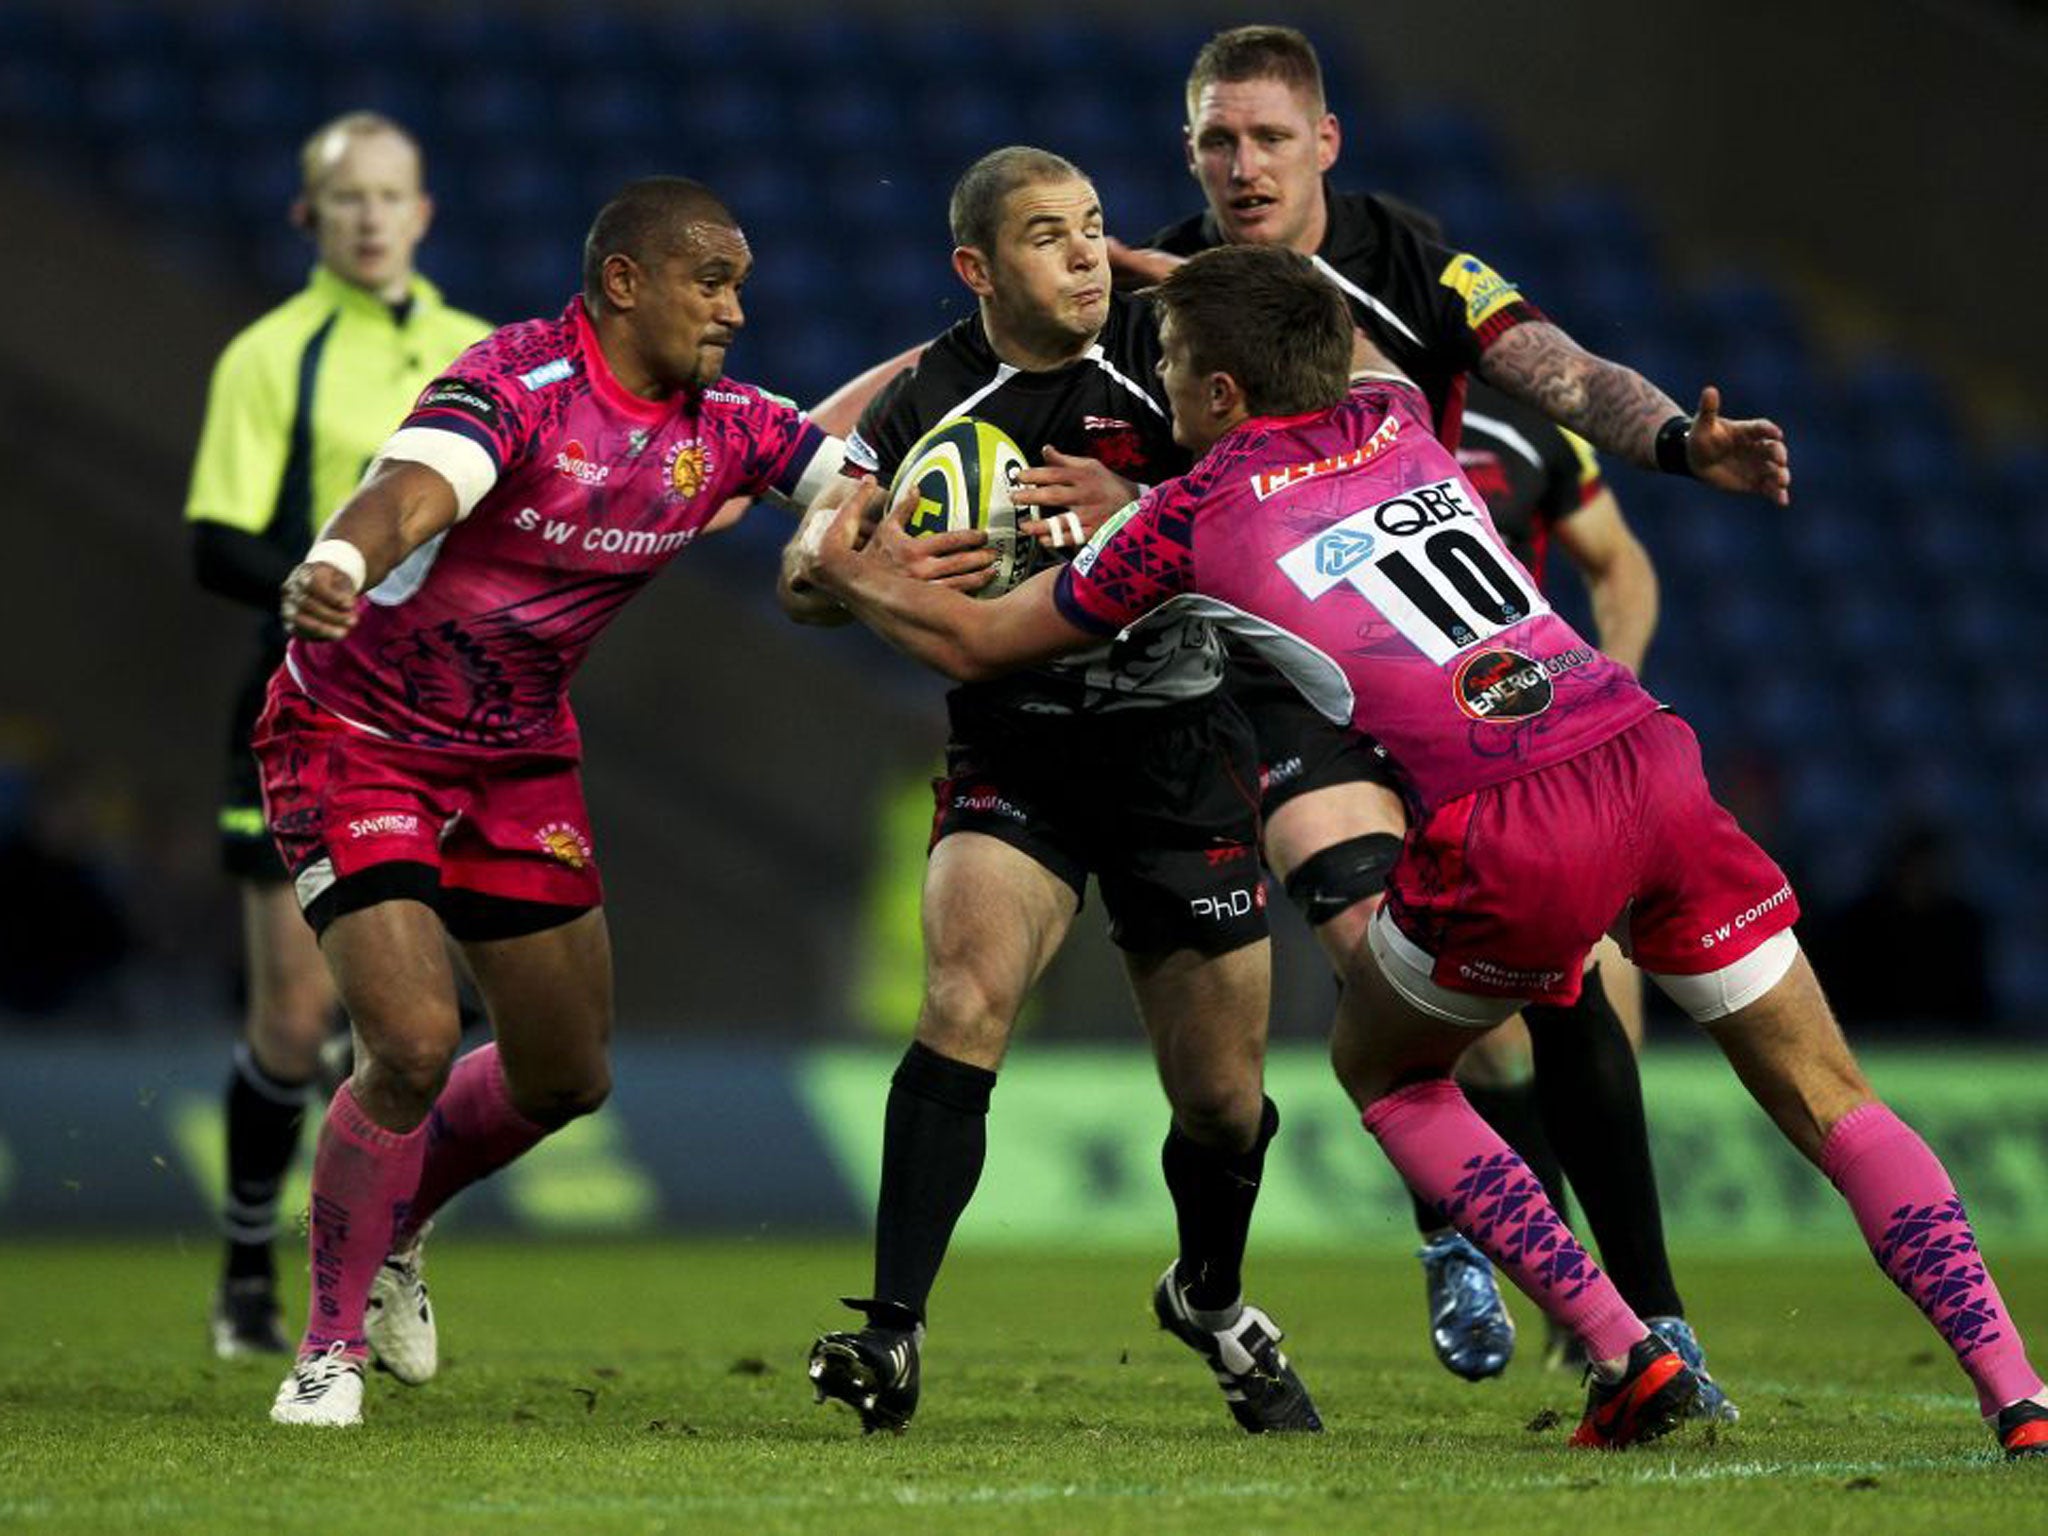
343 556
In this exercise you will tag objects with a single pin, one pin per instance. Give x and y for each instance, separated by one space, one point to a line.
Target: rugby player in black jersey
1260 139
1124 763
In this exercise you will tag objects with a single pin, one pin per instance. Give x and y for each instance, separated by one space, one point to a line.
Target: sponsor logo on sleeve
546 374
726 396
1084 562
1485 292
464 396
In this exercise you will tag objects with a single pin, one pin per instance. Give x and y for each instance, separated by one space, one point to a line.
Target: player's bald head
326 145
979 196
650 220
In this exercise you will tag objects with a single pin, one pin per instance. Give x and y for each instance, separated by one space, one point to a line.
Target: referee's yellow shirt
303 398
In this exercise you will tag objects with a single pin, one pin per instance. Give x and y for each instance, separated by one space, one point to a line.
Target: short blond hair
1258 53
362 124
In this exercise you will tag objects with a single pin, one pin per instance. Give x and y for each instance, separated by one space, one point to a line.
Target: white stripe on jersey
1365 298
1095 356
1507 434
455 458
1004 373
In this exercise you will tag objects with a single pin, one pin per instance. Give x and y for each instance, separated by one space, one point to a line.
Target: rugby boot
873 1370
1712 1403
1654 1394
1469 1326
398 1319
325 1389
1259 1385
2022 1430
246 1320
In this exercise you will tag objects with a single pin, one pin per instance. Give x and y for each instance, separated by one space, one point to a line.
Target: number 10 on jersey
1427 560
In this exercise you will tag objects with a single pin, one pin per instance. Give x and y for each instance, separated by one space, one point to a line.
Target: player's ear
1329 140
426 214
1187 150
304 217
972 268
619 279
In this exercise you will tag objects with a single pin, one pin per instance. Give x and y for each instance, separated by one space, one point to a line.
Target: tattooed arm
1619 411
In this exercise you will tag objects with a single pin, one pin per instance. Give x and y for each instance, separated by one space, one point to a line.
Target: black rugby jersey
1432 309
1107 405
1532 473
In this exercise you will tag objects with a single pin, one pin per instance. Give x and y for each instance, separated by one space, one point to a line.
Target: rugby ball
964 471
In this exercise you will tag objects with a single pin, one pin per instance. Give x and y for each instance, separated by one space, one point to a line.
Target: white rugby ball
965 472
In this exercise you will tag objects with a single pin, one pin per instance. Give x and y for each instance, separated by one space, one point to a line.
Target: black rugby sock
1213 1195
934 1139
263 1118
1513 1114
1592 1102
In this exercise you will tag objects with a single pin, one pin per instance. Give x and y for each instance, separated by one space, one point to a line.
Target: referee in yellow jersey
298 404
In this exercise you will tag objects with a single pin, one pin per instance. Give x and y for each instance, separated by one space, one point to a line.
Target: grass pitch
659 1387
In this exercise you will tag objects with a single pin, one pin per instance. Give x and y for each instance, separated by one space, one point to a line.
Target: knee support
1342 875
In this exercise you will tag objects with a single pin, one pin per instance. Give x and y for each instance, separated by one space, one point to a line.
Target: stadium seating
186 117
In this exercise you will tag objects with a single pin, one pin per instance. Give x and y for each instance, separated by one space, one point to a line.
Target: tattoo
1614 408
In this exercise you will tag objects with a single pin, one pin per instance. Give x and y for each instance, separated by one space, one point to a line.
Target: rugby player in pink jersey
420 759
1555 800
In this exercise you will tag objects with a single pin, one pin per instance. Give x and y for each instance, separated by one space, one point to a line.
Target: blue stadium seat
401 90
171 178
603 109
1439 140
364 34
258 99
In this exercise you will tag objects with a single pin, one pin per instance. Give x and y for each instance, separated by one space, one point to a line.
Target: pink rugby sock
1452 1157
474 1131
1916 1227
363 1179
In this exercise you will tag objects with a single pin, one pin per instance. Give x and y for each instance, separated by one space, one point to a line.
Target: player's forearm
1613 407
400 507
928 623
803 602
240 566
1624 600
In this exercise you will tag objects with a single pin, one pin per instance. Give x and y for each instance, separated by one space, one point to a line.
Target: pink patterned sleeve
1136 561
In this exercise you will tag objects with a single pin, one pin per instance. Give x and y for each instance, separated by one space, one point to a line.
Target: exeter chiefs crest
688 466
564 842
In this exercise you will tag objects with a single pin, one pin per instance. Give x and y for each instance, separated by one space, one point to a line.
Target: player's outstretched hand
1073 496
1139 266
1746 456
318 602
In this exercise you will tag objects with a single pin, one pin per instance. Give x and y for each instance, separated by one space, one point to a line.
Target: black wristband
1671 440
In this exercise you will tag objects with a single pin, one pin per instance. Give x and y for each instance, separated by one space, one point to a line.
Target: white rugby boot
399 1319
326 1389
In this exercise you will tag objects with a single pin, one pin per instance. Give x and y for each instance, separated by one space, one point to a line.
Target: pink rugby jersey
574 493
1346 546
